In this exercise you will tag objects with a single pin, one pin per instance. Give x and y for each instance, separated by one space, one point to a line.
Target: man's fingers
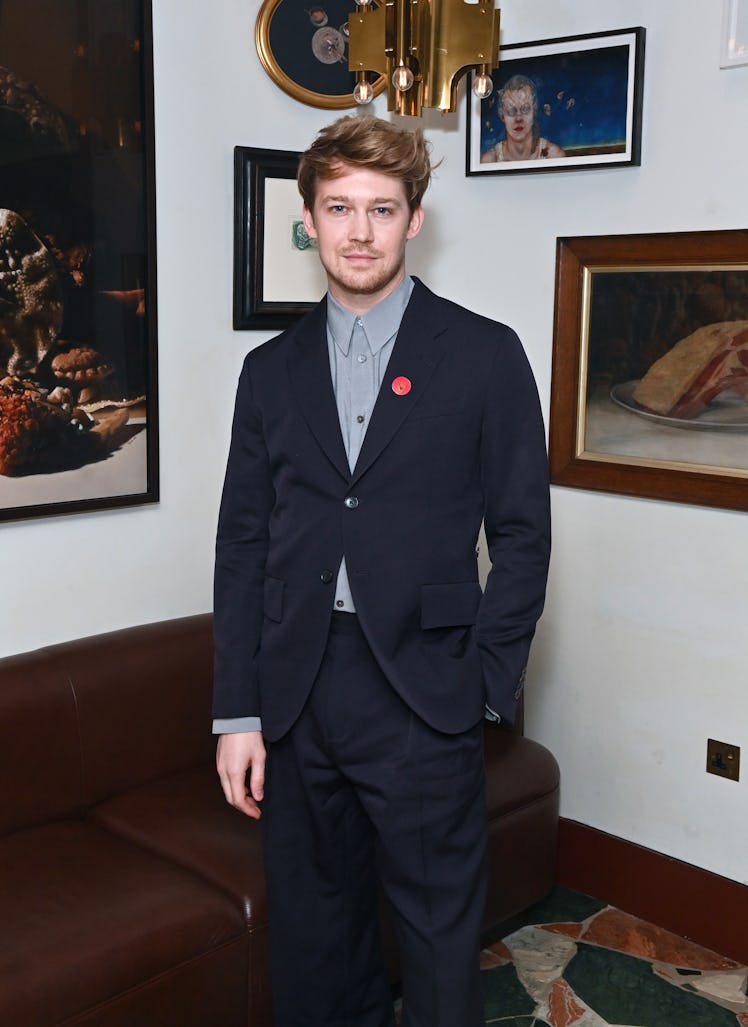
235 791
257 778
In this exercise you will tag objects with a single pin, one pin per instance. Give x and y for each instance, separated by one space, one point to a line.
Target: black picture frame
589 91
78 417
622 303
265 243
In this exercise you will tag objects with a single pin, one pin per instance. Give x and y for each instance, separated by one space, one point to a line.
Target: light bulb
402 78
363 3
482 86
363 92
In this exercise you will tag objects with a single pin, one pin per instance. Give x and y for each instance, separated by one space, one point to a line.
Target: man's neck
520 150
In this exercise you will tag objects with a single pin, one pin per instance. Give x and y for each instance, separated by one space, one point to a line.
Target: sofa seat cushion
87 915
518 771
185 818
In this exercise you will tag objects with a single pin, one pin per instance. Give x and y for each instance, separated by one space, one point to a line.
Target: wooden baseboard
696 904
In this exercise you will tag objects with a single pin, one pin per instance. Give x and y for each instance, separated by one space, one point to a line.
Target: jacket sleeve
241 553
514 470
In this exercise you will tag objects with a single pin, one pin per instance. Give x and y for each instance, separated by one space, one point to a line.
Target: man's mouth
355 256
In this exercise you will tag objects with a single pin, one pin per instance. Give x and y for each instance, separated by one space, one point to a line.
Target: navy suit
463 444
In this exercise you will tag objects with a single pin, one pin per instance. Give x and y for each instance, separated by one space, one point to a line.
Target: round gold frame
328 101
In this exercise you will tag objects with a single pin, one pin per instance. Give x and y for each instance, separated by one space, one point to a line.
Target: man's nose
360 226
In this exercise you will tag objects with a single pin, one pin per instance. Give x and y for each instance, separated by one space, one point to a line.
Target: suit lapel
309 371
415 356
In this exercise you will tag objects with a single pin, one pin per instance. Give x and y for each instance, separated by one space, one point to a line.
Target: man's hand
236 753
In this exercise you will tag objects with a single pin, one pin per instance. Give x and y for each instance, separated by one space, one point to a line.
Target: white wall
641 654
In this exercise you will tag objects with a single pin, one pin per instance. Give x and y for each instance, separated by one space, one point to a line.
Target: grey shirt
359 347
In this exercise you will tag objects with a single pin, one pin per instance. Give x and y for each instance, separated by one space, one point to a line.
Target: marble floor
577 962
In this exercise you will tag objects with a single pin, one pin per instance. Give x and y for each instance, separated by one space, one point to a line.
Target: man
518 109
369 442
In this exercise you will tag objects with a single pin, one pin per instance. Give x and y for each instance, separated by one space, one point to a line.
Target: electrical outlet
723 759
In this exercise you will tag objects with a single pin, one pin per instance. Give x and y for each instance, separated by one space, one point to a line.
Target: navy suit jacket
465 444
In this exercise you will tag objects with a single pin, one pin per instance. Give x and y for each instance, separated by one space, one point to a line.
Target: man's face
518 113
362 222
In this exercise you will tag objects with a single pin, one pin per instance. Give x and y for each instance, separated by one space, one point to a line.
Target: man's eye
337 208
382 210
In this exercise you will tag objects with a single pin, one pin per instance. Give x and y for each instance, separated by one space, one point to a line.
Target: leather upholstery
130 892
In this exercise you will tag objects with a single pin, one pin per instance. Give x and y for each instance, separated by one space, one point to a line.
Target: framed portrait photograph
277 273
304 49
78 385
649 393
734 48
560 105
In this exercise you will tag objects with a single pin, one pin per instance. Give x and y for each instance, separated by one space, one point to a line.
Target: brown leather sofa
131 895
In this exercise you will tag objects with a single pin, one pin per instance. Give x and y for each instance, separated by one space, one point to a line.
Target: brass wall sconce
422 48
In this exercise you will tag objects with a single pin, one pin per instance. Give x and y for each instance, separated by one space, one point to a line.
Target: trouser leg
326 960
432 855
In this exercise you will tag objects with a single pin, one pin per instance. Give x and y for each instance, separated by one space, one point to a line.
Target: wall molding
693 903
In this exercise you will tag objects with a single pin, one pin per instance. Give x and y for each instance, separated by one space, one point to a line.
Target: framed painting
649 392
277 273
560 105
78 387
304 50
734 48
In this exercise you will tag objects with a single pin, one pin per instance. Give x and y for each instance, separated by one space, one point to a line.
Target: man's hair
366 142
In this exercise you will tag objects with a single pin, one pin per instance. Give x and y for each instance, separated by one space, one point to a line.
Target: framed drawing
649 391
78 389
304 50
559 105
734 34
277 274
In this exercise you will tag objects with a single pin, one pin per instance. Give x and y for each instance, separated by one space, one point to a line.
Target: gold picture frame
310 66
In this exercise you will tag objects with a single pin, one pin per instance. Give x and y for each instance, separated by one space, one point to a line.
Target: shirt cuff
234 725
492 715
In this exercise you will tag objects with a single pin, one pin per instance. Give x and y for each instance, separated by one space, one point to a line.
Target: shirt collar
380 323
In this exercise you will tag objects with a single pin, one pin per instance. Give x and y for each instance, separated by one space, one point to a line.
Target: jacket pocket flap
450 605
273 599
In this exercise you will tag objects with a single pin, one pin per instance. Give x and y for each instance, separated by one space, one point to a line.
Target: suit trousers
362 791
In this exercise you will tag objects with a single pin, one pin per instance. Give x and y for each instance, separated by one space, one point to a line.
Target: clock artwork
303 47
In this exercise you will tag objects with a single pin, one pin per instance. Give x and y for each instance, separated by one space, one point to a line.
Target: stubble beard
364 281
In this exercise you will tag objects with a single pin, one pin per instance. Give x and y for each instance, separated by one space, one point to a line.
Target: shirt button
326 577
359 323
361 358
360 418
351 502
339 602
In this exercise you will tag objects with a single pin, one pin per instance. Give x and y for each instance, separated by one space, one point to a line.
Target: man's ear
416 221
311 231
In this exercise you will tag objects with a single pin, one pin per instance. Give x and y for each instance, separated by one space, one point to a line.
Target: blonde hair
366 142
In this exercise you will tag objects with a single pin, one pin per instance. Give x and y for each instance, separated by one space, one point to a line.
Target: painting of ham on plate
649 392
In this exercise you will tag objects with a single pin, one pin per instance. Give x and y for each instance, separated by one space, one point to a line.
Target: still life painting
78 424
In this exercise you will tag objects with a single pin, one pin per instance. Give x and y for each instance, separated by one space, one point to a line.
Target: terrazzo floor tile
572 961
585 964
617 930
623 989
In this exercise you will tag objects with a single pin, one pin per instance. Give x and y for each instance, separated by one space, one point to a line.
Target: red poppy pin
401 385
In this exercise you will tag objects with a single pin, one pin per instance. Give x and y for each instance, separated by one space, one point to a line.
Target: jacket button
351 502
326 577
